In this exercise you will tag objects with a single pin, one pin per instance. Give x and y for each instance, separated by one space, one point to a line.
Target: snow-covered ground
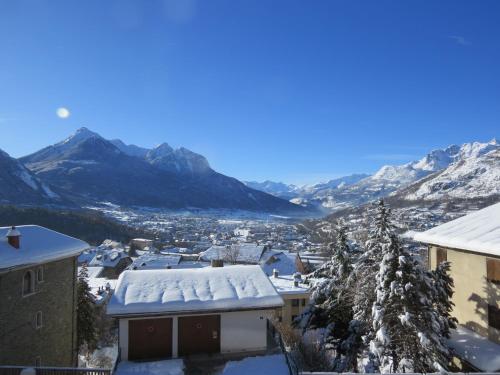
267 365
475 349
170 367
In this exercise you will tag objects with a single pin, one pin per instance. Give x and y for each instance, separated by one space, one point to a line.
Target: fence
292 366
16 370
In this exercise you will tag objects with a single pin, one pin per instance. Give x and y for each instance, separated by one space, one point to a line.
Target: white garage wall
240 332
243 331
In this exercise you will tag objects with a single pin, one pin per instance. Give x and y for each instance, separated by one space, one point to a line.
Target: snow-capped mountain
475 173
89 168
19 186
180 160
278 189
463 171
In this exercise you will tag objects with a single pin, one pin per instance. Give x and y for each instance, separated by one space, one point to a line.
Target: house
472 246
140 243
283 261
113 261
38 269
295 295
155 261
244 253
182 312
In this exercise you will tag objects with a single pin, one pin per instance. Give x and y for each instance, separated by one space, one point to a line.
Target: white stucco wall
243 331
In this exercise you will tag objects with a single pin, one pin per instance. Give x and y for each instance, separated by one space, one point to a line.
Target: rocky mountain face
89 168
19 186
456 172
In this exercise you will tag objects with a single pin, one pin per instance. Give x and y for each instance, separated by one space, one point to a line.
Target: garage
150 339
199 334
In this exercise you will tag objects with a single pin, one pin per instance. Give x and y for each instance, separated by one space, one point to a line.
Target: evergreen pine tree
366 268
86 313
406 335
330 304
443 286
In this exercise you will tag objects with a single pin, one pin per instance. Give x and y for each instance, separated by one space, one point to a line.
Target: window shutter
493 270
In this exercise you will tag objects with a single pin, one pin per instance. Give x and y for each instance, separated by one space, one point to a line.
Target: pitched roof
37 245
244 253
478 232
193 290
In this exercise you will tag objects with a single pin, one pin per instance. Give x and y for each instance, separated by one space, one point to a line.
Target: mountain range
471 170
85 168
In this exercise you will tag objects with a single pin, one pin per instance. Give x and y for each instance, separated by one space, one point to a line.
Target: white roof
245 253
188 290
107 258
283 261
284 285
155 261
38 245
475 349
478 232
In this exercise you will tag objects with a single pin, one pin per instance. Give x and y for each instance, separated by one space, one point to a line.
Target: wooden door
150 339
199 335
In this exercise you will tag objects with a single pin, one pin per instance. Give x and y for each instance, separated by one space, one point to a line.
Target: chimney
297 278
275 273
13 237
217 263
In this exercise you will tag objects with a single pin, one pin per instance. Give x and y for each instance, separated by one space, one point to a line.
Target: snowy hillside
470 170
476 173
18 185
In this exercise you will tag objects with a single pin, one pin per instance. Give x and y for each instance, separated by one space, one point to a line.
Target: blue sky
297 91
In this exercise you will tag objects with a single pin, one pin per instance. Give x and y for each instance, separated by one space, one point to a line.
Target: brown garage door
150 338
199 334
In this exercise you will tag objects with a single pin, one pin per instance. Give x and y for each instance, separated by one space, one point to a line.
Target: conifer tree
330 304
443 286
86 313
407 329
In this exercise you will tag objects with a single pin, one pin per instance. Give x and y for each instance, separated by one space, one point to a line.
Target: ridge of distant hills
85 168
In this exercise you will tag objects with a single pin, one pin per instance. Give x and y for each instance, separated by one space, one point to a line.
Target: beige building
295 294
472 246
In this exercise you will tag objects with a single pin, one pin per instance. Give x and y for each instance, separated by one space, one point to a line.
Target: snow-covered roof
37 245
244 253
475 349
281 260
107 258
155 261
193 290
478 232
284 285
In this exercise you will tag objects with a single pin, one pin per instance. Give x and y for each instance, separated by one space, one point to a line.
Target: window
441 256
494 317
295 302
39 275
38 320
293 317
28 283
493 270
303 301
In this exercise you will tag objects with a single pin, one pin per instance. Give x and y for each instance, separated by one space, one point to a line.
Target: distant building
472 246
294 293
175 313
38 270
113 261
140 243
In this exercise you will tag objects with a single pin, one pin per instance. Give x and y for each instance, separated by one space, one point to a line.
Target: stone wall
21 342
